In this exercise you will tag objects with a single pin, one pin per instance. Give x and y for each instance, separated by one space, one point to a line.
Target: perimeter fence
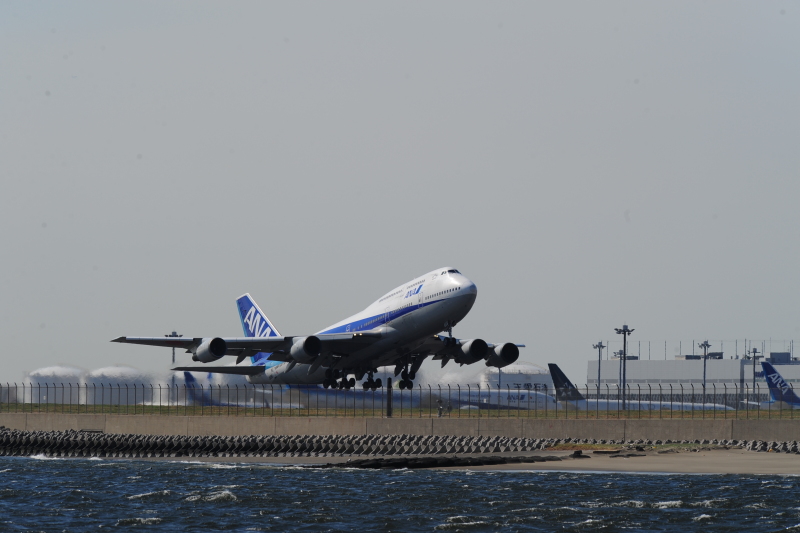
451 401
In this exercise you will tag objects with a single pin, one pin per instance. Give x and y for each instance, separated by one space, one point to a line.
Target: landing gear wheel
409 384
351 383
326 383
378 384
412 375
402 384
341 384
365 385
404 375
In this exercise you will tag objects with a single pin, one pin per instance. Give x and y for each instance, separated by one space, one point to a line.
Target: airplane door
386 316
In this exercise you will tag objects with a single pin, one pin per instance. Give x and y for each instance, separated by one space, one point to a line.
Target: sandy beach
732 461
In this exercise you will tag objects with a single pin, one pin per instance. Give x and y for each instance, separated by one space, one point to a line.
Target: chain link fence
452 401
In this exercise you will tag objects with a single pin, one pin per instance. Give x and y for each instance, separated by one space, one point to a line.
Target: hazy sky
586 164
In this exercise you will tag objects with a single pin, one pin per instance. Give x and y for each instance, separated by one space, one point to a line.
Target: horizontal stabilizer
238 370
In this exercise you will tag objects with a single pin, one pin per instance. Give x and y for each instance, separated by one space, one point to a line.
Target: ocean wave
630 503
588 522
460 521
221 496
702 517
43 457
138 521
149 494
668 505
714 502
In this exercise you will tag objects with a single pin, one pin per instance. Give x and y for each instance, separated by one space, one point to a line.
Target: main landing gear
336 379
407 379
371 383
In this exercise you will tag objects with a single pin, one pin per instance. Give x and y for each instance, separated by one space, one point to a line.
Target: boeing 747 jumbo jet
401 329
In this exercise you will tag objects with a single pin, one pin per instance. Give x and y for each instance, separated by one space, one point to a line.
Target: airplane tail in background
565 390
205 395
198 395
254 323
779 390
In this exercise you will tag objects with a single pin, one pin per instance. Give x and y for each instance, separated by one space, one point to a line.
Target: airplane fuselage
404 317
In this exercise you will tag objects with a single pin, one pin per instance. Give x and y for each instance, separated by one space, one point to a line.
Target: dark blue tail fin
198 394
565 390
778 388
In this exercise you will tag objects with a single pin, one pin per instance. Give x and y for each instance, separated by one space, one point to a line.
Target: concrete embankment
617 430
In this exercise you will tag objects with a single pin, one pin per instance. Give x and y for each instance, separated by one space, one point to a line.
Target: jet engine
210 350
503 355
472 351
305 349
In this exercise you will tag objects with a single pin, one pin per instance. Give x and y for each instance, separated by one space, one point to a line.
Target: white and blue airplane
783 396
402 329
569 395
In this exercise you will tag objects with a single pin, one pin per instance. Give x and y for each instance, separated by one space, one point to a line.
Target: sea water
40 494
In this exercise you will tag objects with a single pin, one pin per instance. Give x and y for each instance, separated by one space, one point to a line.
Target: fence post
714 400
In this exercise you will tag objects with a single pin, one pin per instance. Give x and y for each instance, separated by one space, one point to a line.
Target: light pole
624 331
599 347
755 356
174 334
705 346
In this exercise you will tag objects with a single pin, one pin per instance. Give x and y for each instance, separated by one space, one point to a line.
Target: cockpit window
453 271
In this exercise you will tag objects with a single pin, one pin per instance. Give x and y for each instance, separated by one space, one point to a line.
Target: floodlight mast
624 331
705 346
174 334
599 347
755 356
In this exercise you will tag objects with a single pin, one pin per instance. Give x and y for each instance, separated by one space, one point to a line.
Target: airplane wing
340 343
469 351
237 370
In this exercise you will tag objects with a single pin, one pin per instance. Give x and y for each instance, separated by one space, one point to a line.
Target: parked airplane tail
198 395
565 390
779 390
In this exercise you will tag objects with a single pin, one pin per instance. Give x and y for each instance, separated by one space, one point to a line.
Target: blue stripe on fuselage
377 320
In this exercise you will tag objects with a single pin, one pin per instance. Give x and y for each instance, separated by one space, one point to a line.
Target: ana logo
778 381
412 292
255 326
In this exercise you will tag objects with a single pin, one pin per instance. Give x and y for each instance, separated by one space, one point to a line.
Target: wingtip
119 339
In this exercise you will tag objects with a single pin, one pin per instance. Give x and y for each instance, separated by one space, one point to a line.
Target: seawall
676 429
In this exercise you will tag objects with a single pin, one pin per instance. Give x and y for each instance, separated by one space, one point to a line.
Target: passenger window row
442 292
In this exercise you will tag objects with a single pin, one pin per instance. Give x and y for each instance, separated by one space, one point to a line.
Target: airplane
568 393
401 329
783 397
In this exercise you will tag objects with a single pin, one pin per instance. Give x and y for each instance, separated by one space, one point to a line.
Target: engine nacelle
473 351
503 355
210 350
305 349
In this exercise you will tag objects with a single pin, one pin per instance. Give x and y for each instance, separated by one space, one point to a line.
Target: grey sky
586 164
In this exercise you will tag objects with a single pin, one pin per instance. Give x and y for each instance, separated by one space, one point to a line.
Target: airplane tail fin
255 323
778 388
195 392
565 390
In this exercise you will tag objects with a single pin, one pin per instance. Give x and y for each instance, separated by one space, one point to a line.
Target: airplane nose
468 287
